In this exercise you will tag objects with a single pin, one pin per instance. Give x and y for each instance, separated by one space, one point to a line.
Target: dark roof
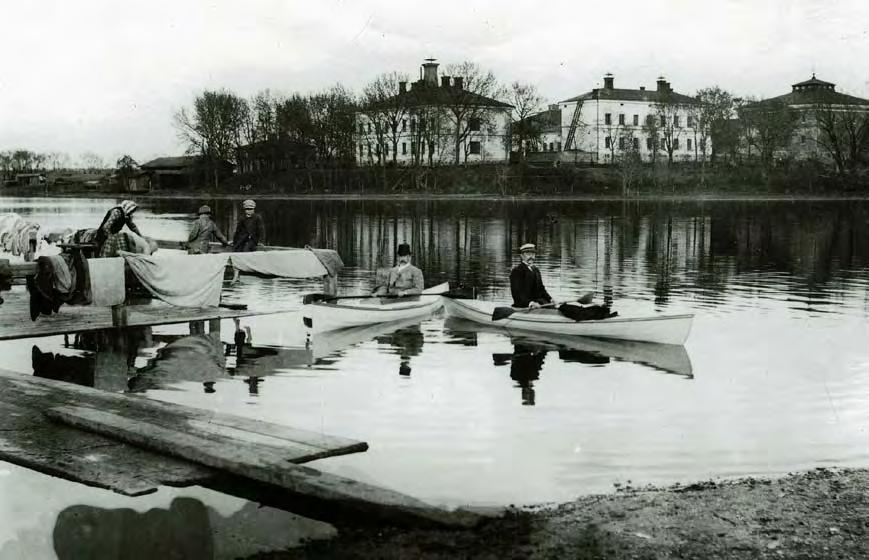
547 120
179 162
651 96
423 94
813 91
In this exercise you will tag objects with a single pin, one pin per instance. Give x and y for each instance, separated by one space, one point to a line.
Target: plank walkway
132 445
15 319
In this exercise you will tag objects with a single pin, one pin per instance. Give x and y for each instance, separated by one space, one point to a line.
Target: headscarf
128 207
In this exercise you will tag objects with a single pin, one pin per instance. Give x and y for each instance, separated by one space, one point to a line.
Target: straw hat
204 209
527 247
248 204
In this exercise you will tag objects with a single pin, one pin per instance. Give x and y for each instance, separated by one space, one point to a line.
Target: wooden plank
29 439
15 319
260 462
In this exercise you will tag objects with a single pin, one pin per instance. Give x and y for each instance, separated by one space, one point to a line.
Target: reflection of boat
196 357
326 343
326 316
670 358
663 329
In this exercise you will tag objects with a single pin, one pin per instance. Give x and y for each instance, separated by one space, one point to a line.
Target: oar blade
502 313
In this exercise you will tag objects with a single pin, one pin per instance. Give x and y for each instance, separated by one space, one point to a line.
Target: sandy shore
821 514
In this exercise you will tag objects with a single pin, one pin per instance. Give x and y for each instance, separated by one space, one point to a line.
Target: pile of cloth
15 234
71 279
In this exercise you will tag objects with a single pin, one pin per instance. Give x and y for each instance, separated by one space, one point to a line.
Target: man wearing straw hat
526 284
204 230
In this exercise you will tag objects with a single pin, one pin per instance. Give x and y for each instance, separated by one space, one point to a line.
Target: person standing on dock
107 239
403 279
526 284
204 230
250 232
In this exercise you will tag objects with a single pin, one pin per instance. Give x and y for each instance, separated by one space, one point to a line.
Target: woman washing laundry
107 239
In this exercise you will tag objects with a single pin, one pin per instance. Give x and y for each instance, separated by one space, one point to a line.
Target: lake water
774 377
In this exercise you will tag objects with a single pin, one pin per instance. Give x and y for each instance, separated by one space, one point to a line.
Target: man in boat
526 285
404 279
203 232
249 233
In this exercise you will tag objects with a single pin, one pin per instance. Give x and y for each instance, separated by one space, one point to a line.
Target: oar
504 312
314 298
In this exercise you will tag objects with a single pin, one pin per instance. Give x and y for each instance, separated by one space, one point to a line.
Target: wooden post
119 315
197 327
330 285
214 326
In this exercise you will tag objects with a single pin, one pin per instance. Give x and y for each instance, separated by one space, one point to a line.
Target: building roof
423 94
178 162
813 91
618 94
548 120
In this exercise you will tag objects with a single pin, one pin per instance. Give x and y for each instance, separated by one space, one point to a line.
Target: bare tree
769 126
652 128
669 112
525 129
388 108
331 118
467 110
712 115
213 128
92 161
843 133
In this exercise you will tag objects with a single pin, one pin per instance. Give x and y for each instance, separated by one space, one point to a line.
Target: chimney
458 81
445 81
642 88
662 84
669 88
402 87
430 72
608 81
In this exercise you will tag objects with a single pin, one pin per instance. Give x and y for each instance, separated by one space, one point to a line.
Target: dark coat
249 233
527 286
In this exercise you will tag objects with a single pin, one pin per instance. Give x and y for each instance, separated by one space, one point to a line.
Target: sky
107 76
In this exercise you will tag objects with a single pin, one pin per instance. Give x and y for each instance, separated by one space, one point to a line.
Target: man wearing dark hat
204 229
525 281
404 279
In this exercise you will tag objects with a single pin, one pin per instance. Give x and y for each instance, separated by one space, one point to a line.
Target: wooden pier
132 445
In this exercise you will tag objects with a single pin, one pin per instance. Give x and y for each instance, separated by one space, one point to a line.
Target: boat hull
662 329
325 316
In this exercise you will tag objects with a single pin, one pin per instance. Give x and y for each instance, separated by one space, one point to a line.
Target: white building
606 124
418 125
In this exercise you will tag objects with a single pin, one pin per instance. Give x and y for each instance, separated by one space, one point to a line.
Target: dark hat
404 249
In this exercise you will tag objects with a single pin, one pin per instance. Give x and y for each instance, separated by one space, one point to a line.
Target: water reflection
406 342
530 351
197 357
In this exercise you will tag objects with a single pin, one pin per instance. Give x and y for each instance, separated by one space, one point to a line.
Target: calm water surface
774 377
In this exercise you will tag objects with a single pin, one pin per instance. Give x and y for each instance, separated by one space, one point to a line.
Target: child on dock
204 230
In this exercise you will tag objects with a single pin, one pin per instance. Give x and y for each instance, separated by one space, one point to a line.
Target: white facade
612 124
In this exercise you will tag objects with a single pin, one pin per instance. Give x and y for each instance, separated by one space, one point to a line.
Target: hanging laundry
182 280
292 263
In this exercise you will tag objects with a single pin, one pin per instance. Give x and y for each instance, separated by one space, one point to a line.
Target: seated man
526 284
404 279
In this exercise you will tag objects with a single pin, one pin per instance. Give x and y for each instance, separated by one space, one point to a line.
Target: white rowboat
663 329
343 313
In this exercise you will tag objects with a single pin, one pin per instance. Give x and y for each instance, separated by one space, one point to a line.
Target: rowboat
663 329
343 313
666 358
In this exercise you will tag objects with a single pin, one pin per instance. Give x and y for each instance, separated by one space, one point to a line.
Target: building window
663 120
558 146
404 148
607 118
369 150
403 125
649 143
636 120
412 125
551 147
703 145
474 124
622 143
621 118
690 121
361 150
636 143
386 149
361 128
688 144
369 128
675 143
606 142
650 119
802 139
676 121
431 147
377 150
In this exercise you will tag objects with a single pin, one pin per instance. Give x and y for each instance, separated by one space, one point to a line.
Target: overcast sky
107 76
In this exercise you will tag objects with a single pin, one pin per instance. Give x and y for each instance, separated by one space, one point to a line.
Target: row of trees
220 122
13 162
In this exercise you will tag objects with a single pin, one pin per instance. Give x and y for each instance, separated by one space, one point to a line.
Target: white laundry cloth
292 263
107 281
182 280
